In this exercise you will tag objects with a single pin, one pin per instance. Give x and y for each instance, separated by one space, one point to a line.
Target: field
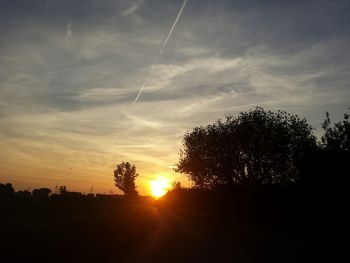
274 225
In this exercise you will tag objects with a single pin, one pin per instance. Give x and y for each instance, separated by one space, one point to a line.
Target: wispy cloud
132 9
69 31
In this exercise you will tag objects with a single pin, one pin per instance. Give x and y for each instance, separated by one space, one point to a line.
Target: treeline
7 192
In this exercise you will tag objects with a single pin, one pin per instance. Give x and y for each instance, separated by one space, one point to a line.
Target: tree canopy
336 138
254 148
124 178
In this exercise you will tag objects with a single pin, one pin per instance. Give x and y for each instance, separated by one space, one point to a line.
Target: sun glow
159 187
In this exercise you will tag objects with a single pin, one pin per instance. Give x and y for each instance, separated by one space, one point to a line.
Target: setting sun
159 187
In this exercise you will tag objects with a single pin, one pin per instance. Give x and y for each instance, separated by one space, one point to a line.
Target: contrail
161 51
172 28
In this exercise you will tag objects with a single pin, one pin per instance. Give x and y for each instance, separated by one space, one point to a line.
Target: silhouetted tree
24 194
41 193
256 147
338 137
124 178
326 170
6 190
62 190
64 193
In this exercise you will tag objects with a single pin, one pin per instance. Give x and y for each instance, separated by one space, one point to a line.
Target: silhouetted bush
325 169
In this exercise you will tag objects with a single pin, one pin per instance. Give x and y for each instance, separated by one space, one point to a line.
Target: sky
70 71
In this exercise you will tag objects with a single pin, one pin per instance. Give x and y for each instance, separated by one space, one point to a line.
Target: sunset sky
70 71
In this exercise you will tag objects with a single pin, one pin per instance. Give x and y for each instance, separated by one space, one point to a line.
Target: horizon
70 73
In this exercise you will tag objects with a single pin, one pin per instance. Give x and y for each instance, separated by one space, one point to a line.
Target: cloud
69 31
132 9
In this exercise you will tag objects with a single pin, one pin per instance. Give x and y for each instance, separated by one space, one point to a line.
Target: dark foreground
270 225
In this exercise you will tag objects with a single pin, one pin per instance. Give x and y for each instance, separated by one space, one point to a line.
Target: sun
159 187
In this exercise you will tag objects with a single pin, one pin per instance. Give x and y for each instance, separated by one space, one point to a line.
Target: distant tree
255 148
6 190
124 178
41 193
90 196
64 193
336 138
24 194
62 190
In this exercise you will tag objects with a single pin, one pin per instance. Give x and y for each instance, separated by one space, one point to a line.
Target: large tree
124 178
256 147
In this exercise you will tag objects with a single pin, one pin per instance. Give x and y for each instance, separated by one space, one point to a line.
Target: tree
336 138
6 190
124 178
255 148
42 193
24 194
62 190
